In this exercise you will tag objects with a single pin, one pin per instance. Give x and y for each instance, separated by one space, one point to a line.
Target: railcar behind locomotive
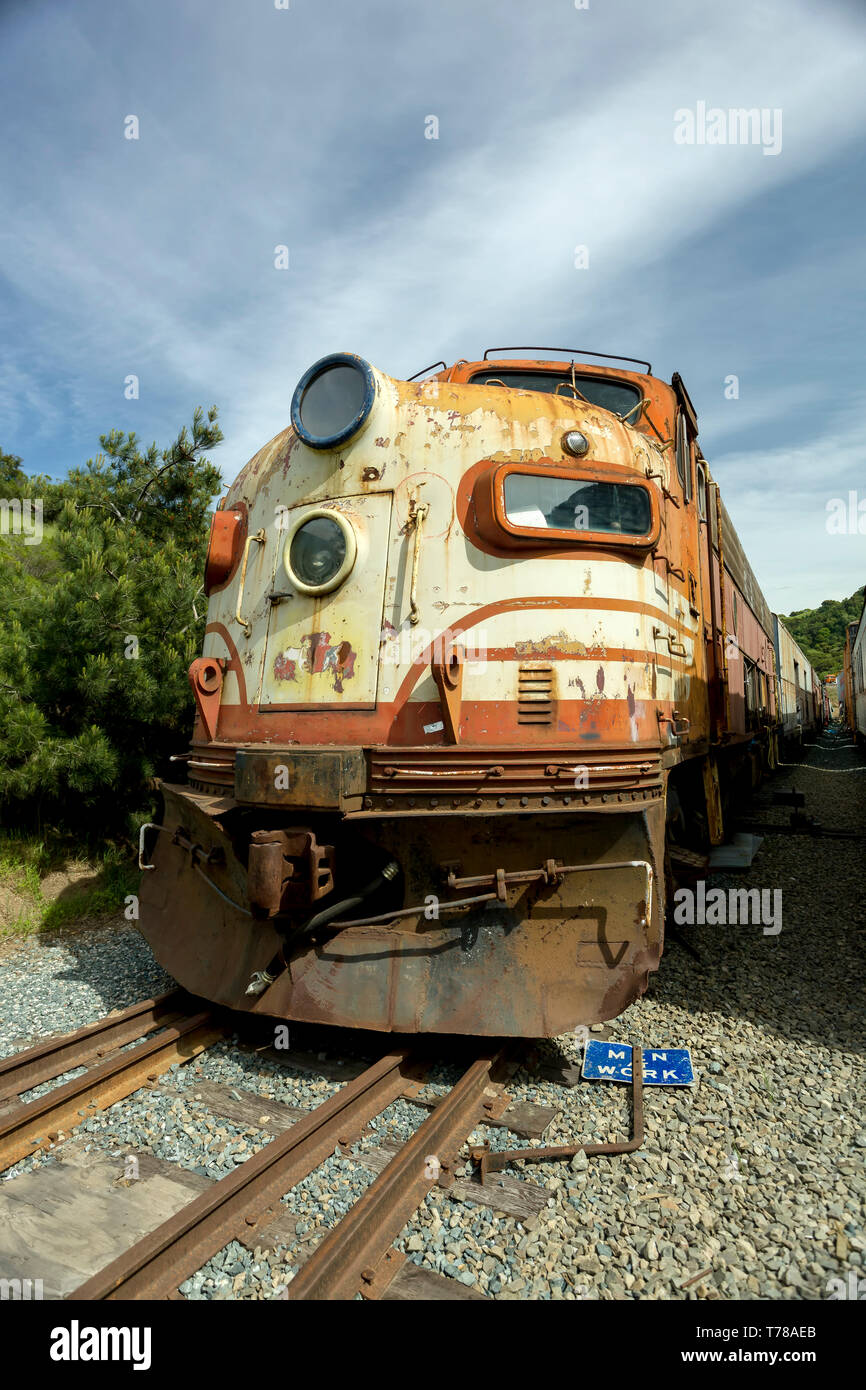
480 649
854 667
799 691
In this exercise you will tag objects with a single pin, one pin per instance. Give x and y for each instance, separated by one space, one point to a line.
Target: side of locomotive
479 650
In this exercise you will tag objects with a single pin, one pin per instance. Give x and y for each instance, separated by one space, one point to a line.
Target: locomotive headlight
320 551
332 400
575 443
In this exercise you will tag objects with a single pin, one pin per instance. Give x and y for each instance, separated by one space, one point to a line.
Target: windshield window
616 396
565 504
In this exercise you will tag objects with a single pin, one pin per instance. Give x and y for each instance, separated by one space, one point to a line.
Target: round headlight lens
320 552
575 443
317 551
332 400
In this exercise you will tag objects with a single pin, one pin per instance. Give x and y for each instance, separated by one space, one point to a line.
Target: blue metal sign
662 1066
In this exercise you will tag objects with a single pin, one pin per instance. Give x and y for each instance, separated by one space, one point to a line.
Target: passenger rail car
799 689
855 669
483 655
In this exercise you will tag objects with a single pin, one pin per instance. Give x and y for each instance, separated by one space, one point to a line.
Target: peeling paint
315 656
556 642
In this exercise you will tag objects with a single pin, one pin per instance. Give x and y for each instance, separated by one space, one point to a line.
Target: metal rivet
524 801
501 801
545 801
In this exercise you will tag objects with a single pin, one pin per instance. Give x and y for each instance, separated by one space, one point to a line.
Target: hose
261 979
388 874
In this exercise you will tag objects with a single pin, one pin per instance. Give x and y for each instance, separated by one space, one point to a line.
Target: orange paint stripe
526 605
482 722
632 655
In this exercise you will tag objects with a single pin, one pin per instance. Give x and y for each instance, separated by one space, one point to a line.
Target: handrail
245 622
417 514
574 352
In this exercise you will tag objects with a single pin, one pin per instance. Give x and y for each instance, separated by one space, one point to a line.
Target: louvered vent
535 693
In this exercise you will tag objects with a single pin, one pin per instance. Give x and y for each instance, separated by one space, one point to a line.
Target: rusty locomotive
483 655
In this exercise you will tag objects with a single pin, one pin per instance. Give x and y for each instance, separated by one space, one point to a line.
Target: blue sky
305 127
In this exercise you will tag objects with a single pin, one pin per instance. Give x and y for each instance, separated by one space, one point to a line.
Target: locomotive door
323 648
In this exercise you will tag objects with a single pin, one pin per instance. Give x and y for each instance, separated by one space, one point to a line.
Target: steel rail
344 1263
30 1125
53 1056
160 1261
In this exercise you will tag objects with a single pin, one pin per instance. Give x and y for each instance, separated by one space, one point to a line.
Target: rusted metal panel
547 958
314 777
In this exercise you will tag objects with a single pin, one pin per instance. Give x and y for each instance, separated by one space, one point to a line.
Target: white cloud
779 499
155 257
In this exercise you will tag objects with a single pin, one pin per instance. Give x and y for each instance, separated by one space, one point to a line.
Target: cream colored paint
422 439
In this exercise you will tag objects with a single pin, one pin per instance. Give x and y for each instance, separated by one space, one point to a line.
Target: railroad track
356 1256
346 1261
181 1031
172 1030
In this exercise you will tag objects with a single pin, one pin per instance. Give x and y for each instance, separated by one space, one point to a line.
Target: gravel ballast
750 1184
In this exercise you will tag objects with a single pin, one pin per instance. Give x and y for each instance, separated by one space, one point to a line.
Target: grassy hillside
821 631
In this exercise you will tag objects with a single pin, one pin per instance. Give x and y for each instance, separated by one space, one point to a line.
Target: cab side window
684 466
702 493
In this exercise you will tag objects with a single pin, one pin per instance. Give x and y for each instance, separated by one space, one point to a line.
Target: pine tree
98 625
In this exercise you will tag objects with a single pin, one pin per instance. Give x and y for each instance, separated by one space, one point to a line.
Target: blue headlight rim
334 359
